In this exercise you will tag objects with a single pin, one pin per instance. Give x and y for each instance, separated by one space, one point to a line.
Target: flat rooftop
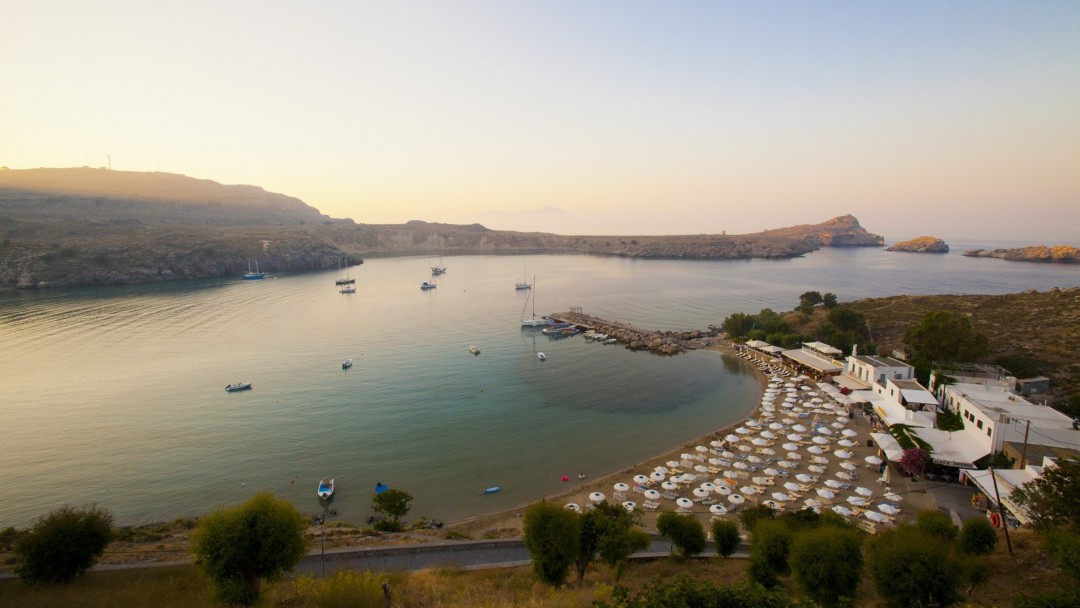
881 361
996 402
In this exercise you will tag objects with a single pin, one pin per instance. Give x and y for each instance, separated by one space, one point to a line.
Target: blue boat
326 488
381 487
492 490
253 276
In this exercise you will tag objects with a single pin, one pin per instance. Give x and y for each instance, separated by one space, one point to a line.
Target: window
979 424
987 431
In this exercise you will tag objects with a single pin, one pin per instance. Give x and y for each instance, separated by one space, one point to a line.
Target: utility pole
1023 455
1001 511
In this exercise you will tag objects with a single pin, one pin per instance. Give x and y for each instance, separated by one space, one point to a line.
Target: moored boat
346 364
426 285
541 356
474 349
347 289
492 490
237 386
253 276
326 488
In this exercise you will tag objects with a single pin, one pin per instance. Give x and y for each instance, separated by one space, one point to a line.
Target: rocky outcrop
842 231
1039 253
922 244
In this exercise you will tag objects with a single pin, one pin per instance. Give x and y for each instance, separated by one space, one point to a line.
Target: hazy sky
959 119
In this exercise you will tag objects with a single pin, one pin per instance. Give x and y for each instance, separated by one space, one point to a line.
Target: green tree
685 532
605 531
617 549
738 325
749 516
978 536
808 300
912 568
684 591
827 563
936 524
1073 406
726 536
829 300
393 504
62 544
1064 548
1053 499
943 336
770 543
237 548
551 534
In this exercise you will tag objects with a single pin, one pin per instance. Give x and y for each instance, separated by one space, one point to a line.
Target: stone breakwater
636 338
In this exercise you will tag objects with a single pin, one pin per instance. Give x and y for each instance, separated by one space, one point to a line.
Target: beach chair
649 505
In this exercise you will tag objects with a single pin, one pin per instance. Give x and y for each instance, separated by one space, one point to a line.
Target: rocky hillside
842 231
922 244
1039 253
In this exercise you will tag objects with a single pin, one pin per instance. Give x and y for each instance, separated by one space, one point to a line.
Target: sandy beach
830 467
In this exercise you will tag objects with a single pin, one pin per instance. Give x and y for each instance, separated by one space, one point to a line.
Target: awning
825 366
894 413
956 449
1007 481
756 343
889 445
922 397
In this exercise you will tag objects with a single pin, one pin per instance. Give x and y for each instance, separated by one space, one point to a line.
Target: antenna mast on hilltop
110 162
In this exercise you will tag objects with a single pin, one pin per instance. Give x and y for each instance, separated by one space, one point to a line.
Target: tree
238 547
726 536
770 543
978 536
750 516
551 534
945 336
913 461
1073 407
685 532
738 325
936 524
808 300
62 544
829 300
605 531
912 568
1054 498
392 503
827 563
617 549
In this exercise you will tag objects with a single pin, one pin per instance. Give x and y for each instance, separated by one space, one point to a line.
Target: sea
115 396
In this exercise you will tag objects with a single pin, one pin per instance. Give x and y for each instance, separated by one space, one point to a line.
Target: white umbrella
748 490
753 423
857 501
700 468
687 456
718 509
759 441
772 504
688 477
791 486
573 506
794 456
722 490
742 430
826 494
811 503
824 430
805 388
803 478
663 470
736 499
815 449
754 459
718 462
708 486
767 451
701 492
842 510
794 437
768 434
684 503
621 487
820 440
849 433
669 485
844 476
701 449
843 454
771 472
787 465
726 454
716 443
894 497
745 448
733 438
791 447
629 505
780 496
656 476
888 509
798 428
640 479
742 466
596 496
847 466
816 469
652 494
832 483
872 459
875 516
847 443
861 491
674 464
776 426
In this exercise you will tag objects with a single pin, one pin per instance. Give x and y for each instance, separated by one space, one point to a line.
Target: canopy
639 479
684 503
596 496
826 494
842 510
736 499
652 494
718 509
621 487
888 509
780 496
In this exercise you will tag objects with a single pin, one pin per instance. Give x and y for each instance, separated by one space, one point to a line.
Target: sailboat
438 268
534 321
253 276
523 284
348 280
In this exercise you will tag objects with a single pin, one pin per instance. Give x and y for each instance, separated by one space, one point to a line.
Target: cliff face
922 244
842 231
1039 253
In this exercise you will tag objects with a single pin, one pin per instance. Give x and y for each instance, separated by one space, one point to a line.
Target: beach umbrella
811 503
684 503
687 456
742 430
621 487
798 428
787 465
709 486
652 495
672 464
847 443
791 486
573 506
657 476
597 497
733 438
701 468
805 388
847 466
780 496
888 509
701 492
761 481
857 501
768 434
845 476
742 466
767 451
716 462
772 504
842 510
875 516
816 469
791 447
872 460
701 449
748 490
824 430
640 479
753 459
819 460
816 399
794 437
815 449
849 433
688 477
826 494
861 491
803 478
629 505
726 454
771 472
722 490
736 499
794 456
894 497
663 470
669 485
820 440
716 443
776 426
745 448
843 454
832 483
718 509
759 441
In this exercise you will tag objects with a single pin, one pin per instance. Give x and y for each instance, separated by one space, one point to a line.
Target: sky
959 119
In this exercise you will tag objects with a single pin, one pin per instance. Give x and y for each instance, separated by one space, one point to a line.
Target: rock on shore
922 244
1038 253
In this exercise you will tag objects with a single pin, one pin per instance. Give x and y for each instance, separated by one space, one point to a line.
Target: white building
872 370
817 357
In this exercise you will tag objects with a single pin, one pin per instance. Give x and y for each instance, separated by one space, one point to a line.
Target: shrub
551 534
912 568
62 544
770 543
978 536
726 536
392 503
827 563
937 524
685 532
749 516
345 589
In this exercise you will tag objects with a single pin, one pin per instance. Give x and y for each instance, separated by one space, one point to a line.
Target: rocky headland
84 226
1038 253
922 244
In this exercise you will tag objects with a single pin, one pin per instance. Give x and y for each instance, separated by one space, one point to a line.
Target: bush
827 563
393 504
937 524
769 546
978 536
62 544
552 536
726 536
750 516
684 591
345 589
912 568
685 531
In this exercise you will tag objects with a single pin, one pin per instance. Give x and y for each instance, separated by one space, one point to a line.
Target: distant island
1038 253
922 244
85 226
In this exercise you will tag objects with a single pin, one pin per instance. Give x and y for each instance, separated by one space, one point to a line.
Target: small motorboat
347 289
541 356
326 487
237 386
492 490
346 364
381 487
426 285
474 349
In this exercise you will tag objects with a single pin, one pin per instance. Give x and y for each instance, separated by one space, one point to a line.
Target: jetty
638 338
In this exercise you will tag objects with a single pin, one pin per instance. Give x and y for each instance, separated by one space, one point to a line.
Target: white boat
474 349
237 386
347 289
534 321
438 268
326 488
541 356
348 280
253 276
523 283
346 364
426 285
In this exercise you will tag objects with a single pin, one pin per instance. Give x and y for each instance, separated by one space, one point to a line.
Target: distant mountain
1039 253
922 244
66 227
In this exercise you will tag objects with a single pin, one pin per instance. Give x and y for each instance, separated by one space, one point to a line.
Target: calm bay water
116 396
